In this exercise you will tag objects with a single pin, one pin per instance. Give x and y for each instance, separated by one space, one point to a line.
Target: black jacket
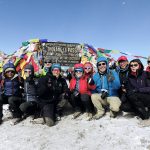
50 87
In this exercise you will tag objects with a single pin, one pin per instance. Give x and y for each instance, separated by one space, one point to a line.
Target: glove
66 96
75 93
104 94
90 81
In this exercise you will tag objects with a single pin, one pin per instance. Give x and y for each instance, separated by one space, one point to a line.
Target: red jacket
84 87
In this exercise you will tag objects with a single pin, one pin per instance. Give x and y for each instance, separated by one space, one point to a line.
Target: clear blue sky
112 24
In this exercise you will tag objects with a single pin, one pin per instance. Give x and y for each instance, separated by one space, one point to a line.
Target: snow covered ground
121 133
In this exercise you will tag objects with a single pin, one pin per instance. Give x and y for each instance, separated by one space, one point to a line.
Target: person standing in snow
106 93
11 91
80 87
138 88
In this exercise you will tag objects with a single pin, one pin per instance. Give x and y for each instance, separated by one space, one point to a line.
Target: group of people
124 87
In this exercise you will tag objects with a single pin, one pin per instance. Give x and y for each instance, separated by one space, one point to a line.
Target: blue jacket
108 81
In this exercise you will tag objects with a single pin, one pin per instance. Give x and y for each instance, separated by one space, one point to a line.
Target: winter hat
78 67
56 66
30 67
102 59
122 58
8 67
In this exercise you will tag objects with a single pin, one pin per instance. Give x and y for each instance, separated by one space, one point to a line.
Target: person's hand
66 96
90 81
104 93
75 93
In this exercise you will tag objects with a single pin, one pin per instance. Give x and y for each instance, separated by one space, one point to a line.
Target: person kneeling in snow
80 87
138 88
53 93
106 93
11 91
30 105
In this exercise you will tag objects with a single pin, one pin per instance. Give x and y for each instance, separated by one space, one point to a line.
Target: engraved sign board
64 53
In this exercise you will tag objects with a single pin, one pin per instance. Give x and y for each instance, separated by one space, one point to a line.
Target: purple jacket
140 82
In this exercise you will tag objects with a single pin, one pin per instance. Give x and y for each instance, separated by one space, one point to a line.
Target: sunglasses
47 62
55 70
78 71
27 71
148 62
101 64
10 71
87 68
134 65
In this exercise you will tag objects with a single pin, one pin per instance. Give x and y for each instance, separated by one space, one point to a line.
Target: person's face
78 73
87 69
123 64
56 72
47 64
10 74
102 67
134 66
27 72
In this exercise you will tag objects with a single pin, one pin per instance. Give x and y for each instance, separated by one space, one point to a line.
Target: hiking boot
76 114
16 121
1 121
89 116
38 121
49 122
98 115
113 114
57 117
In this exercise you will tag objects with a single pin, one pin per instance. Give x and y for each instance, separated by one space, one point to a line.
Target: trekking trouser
98 103
29 107
125 104
139 101
114 103
1 107
14 103
47 110
59 103
87 103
